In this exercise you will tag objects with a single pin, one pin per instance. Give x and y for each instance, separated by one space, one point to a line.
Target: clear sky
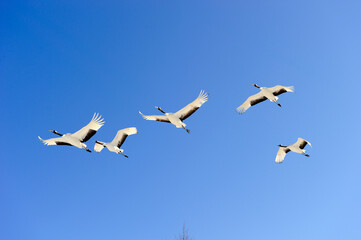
62 62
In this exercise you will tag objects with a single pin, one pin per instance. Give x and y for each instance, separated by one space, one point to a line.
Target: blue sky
61 62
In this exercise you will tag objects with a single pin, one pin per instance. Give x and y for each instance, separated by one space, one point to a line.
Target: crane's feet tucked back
188 131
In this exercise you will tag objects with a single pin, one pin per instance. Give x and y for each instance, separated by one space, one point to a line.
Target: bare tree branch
184 235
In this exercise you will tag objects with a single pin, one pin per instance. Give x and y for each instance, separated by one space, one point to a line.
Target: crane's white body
265 93
177 118
297 147
268 94
78 138
109 146
174 119
116 143
69 138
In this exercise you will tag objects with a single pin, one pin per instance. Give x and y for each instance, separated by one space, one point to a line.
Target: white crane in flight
178 117
77 139
114 146
265 93
297 147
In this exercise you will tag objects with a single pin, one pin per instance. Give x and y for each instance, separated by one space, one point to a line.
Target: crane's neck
101 143
282 145
160 110
55 132
257 86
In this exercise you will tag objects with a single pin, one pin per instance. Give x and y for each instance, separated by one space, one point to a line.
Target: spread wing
98 147
252 100
281 154
89 130
301 143
159 118
188 110
278 90
122 135
54 141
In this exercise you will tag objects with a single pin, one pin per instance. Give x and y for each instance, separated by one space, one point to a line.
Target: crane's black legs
124 155
88 150
188 131
306 155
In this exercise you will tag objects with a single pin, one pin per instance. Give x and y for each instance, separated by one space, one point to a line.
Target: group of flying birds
78 138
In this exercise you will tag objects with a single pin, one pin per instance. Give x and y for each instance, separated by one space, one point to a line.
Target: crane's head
281 145
255 85
160 109
55 132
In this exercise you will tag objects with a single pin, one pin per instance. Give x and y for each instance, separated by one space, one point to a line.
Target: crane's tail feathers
203 96
98 147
